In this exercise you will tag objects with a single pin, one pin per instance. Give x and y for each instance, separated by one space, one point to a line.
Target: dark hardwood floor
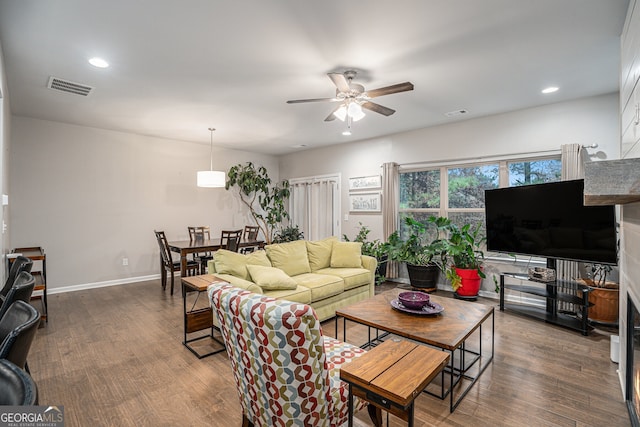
114 357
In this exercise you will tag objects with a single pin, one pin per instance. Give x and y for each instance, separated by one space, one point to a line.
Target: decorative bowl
413 300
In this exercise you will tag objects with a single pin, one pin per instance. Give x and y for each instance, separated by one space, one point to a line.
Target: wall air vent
69 87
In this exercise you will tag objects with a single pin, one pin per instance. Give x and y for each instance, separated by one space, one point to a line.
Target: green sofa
326 274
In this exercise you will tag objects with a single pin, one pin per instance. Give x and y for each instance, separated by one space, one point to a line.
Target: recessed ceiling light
550 89
346 133
98 62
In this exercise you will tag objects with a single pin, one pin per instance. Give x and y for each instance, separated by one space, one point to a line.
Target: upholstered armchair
286 371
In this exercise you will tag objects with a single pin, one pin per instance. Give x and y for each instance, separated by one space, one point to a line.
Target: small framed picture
365 182
365 202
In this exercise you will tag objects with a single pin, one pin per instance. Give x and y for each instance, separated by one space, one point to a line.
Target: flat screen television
550 220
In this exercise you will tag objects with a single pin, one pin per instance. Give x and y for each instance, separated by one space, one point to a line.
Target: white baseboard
95 285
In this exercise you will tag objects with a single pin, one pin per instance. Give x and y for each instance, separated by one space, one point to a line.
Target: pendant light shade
211 178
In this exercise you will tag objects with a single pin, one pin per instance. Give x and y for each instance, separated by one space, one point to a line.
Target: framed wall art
365 182
365 202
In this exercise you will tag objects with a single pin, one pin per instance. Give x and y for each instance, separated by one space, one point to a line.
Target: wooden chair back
251 232
199 233
165 252
230 240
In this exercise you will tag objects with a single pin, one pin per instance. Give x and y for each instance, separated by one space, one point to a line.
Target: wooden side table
199 319
391 375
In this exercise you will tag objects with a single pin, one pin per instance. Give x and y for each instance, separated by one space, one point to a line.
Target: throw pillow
258 258
290 257
319 253
233 263
270 278
346 255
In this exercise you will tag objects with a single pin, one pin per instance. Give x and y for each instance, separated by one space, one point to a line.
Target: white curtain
390 203
573 157
313 204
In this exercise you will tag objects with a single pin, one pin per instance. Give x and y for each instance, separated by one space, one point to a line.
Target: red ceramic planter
470 282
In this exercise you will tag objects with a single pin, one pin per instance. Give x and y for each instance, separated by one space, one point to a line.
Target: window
534 172
457 191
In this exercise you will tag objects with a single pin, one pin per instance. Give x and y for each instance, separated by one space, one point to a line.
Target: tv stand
549 290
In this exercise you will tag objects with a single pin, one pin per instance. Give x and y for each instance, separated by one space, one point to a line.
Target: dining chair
168 264
201 233
230 240
21 290
17 388
17 330
285 370
250 235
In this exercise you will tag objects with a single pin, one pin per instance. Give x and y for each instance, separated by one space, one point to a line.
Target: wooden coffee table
448 330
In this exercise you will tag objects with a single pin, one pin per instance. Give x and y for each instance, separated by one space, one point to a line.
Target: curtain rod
476 159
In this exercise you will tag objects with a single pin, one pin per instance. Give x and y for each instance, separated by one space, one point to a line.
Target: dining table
186 247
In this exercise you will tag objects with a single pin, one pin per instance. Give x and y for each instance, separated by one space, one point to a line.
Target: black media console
554 292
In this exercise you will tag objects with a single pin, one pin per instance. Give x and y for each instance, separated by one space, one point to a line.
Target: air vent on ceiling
69 87
456 113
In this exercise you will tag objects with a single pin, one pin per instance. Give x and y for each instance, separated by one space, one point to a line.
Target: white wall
5 120
584 121
91 197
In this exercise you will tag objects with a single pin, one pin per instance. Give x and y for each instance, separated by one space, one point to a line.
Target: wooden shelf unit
39 272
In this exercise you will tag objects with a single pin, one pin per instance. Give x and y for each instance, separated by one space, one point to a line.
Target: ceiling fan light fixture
211 178
341 113
355 111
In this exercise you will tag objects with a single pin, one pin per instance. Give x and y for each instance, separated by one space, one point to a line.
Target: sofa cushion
235 264
346 255
258 257
299 294
232 263
353 277
321 285
319 253
290 257
240 283
269 278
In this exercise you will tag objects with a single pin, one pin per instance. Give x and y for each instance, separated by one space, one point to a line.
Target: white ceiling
179 67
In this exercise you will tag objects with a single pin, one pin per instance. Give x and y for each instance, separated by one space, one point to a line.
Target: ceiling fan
353 97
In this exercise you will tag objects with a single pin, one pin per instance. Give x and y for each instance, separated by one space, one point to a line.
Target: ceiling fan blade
331 116
388 90
378 108
298 101
340 81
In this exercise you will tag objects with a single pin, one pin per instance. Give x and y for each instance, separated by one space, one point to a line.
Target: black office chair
17 330
21 290
20 263
16 386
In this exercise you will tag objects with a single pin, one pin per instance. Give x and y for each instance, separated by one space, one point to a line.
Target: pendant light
211 178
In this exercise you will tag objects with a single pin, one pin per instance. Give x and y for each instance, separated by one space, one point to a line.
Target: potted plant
265 201
290 233
375 248
603 294
462 264
419 257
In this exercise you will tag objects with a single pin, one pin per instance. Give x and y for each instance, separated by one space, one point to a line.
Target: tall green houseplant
265 201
